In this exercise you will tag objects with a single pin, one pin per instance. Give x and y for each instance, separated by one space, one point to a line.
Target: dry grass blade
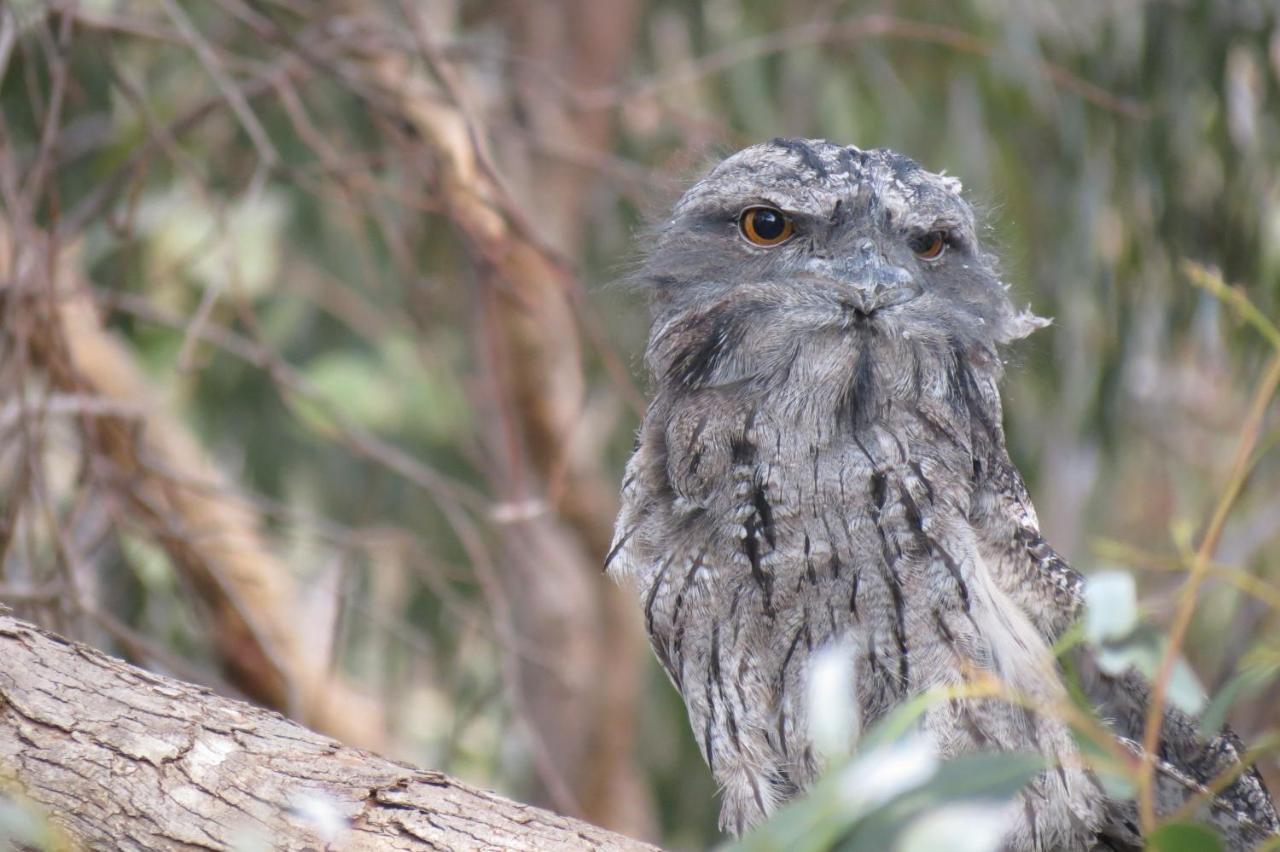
1201 561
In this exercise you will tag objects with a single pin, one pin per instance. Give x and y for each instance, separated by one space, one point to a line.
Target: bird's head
801 248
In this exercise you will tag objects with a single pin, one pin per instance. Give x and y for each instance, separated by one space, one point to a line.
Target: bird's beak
869 282
866 299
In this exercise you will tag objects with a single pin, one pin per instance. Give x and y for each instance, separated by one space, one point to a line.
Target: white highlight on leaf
884 772
834 719
1111 606
961 827
250 838
322 815
1184 689
1111 618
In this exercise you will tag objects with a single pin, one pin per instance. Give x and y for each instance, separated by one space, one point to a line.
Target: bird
823 464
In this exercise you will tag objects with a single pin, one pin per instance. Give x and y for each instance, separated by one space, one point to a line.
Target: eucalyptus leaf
22 826
1184 837
1111 606
358 387
817 821
1144 651
1240 685
962 827
985 778
832 700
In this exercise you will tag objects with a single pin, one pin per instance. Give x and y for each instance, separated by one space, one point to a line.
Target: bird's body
824 462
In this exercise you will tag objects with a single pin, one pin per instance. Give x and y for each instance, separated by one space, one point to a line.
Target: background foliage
362 254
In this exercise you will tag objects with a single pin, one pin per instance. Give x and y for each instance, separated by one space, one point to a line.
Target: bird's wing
1024 566
1051 592
1188 763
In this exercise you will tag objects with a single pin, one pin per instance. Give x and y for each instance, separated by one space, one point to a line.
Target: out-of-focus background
314 386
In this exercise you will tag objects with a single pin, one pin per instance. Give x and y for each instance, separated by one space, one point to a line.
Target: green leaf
977 826
986 775
1184 837
1070 638
985 778
433 401
1144 651
845 812
24 826
816 822
1257 671
1215 715
358 387
1111 606
1116 785
150 563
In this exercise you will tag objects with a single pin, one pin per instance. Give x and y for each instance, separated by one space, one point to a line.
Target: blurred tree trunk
588 44
171 488
123 759
579 697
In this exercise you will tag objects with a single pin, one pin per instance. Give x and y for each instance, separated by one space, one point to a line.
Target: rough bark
121 758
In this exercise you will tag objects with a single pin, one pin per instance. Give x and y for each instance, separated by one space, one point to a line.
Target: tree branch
125 759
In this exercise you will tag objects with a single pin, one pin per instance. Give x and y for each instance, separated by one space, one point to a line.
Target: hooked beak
864 300
867 281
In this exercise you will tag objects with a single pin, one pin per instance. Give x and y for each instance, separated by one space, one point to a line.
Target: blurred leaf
1144 651
239 243
431 398
24 826
1116 785
1242 684
356 386
884 790
1111 606
1070 638
966 827
815 822
149 562
987 779
983 775
1184 837
832 700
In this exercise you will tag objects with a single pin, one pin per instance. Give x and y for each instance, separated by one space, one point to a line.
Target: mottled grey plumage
824 460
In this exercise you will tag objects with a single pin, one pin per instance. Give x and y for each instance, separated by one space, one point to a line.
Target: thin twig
236 98
1241 579
844 33
1198 570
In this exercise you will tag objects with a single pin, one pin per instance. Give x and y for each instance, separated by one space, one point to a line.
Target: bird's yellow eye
930 246
765 226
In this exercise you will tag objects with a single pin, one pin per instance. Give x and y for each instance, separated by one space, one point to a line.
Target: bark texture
124 759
